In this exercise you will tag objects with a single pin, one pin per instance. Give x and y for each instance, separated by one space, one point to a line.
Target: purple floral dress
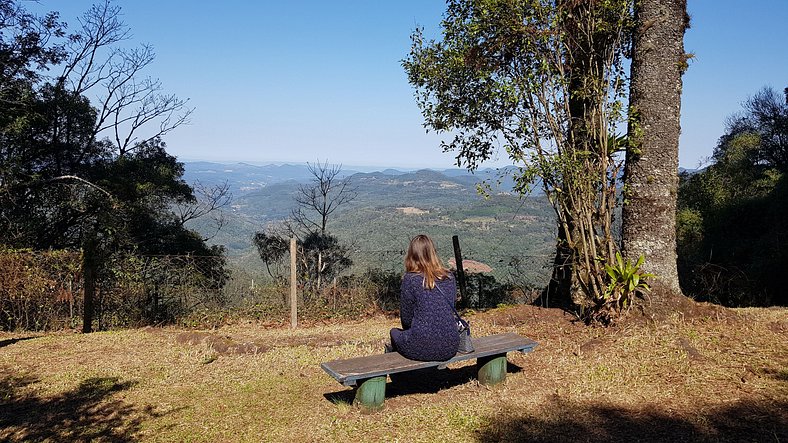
429 328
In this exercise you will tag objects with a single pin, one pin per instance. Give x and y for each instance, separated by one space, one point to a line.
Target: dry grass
722 375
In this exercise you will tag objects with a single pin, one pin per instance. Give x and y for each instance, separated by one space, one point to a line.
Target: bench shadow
429 380
87 413
421 381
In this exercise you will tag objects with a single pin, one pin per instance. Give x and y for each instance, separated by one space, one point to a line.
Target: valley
514 235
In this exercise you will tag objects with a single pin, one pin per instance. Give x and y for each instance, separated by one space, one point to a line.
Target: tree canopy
543 81
82 160
733 215
72 162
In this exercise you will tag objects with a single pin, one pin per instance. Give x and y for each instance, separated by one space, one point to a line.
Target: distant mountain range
690 171
244 178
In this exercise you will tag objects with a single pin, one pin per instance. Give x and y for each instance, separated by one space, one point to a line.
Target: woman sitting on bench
429 328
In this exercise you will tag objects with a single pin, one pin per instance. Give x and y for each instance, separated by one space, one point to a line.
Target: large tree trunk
651 172
563 289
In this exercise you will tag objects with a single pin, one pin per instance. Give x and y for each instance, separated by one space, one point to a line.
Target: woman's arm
452 296
407 302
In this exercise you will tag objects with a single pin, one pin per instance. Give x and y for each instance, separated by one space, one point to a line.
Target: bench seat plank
349 371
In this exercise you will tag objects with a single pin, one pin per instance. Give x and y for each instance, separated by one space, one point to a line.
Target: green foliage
318 257
732 217
765 115
25 47
626 281
321 257
545 80
271 249
63 184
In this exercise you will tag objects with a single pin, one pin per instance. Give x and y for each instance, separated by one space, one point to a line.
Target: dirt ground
706 374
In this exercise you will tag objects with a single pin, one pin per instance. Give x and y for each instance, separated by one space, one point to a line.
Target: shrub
39 290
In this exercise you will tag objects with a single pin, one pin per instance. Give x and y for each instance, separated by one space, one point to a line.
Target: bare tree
320 198
125 99
316 202
209 202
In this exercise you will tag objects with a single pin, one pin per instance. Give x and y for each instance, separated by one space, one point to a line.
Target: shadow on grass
777 374
761 421
10 341
85 413
422 381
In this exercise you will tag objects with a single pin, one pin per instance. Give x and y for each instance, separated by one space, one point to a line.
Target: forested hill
392 206
245 178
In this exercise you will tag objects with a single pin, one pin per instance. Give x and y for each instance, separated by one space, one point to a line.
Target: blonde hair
423 258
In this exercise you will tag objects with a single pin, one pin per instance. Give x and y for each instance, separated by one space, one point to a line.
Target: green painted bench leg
371 393
492 369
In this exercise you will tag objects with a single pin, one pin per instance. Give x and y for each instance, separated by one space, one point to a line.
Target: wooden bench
368 374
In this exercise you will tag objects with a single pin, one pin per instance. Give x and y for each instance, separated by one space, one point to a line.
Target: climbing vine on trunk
544 82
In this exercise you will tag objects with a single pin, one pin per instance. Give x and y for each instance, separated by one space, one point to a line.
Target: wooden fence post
293 287
460 270
89 281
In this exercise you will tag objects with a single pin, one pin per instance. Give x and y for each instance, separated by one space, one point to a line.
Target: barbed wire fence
37 289
158 289
43 290
375 275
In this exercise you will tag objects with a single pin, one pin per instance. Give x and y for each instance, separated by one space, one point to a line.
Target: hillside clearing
410 210
719 376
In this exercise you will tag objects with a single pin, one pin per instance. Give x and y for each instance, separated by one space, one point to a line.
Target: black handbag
463 329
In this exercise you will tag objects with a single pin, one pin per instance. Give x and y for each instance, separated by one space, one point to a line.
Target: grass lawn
717 375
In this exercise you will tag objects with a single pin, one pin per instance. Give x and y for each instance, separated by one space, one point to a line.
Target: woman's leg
396 337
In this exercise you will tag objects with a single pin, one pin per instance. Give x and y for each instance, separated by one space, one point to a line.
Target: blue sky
298 81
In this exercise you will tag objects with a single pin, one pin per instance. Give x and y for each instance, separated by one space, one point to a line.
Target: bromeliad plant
626 282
